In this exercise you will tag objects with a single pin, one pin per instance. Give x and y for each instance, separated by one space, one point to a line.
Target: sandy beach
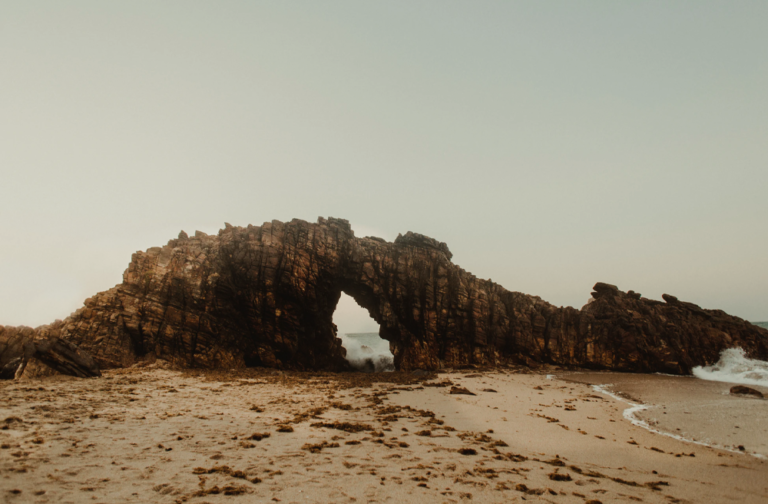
159 435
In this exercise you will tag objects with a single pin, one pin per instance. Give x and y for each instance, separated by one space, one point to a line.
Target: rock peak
412 239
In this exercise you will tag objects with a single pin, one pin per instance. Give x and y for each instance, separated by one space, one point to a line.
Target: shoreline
711 398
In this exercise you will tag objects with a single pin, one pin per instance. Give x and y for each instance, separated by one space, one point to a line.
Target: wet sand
696 410
158 435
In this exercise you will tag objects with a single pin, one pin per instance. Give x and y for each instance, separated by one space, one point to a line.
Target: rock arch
265 296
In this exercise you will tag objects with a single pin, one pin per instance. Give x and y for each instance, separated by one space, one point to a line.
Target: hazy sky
550 144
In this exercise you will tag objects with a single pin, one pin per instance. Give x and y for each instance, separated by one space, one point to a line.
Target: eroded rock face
265 295
20 345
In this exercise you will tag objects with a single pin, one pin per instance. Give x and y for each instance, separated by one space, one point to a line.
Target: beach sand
159 435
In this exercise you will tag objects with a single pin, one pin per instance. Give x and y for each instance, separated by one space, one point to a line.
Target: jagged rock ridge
265 296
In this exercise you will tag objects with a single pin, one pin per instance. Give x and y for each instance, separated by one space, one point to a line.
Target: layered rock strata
20 345
265 296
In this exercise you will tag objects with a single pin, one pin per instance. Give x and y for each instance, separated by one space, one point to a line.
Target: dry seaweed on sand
220 469
441 383
318 447
226 490
344 426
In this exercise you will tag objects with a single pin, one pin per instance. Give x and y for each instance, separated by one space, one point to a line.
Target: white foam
629 413
368 352
735 367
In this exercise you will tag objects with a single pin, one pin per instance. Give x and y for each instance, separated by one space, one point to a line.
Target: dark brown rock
419 240
19 345
265 296
669 298
742 390
604 290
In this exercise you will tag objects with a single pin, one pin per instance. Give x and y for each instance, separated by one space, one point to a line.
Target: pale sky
550 144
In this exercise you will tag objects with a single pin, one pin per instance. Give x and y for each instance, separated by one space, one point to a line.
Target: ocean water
735 367
368 352
764 325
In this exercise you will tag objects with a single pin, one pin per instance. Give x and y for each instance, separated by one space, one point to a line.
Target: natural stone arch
265 296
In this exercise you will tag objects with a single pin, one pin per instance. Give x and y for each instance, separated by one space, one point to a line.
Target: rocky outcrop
639 334
20 345
265 296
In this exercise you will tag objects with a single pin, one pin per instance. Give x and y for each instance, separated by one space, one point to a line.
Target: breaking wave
368 352
735 367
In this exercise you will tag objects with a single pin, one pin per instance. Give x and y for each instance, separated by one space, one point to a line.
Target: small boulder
742 390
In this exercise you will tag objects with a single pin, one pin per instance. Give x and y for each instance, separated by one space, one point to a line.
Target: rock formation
20 345
265 296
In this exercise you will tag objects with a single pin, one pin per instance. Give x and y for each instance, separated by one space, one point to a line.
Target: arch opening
359 334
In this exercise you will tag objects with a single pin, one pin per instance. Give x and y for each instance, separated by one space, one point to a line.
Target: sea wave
735 367
368 352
